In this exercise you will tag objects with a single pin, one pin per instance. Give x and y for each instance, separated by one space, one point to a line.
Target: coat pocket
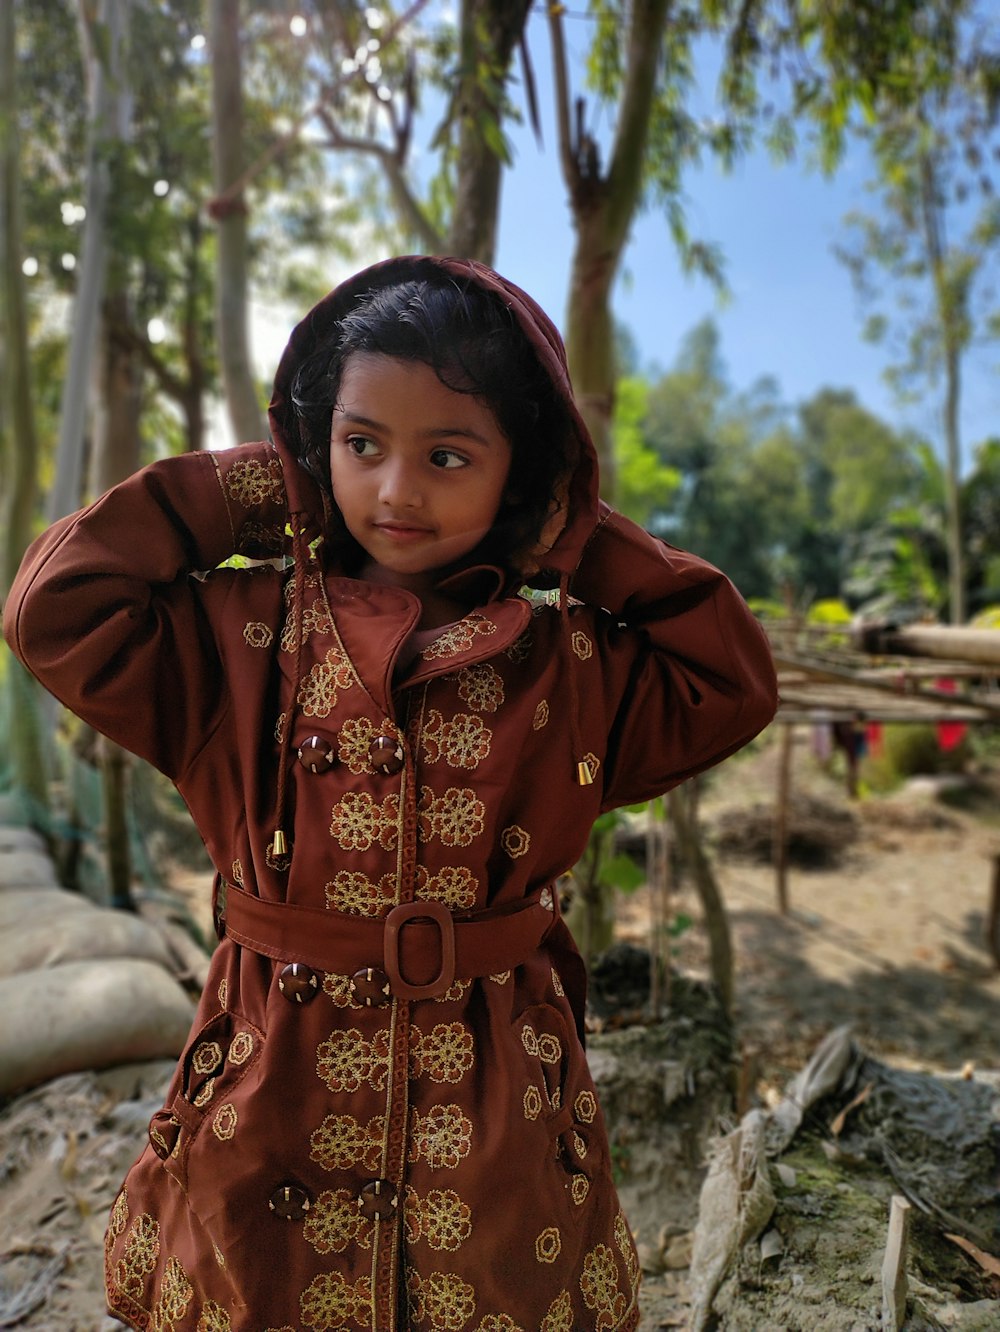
559 1098
217 1059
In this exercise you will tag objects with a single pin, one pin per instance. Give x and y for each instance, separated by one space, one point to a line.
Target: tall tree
932 130
371 110
104 38
232 276
18 438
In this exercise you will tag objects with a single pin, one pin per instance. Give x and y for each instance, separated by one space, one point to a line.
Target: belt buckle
394 922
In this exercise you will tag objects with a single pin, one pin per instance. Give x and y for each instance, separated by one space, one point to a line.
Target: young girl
383 1118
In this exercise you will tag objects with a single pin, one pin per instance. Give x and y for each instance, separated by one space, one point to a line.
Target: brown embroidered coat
365 1132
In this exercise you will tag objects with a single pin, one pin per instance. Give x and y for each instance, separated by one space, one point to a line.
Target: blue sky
792 314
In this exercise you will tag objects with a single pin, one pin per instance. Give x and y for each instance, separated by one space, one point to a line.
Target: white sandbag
84 1015
26 867
43 927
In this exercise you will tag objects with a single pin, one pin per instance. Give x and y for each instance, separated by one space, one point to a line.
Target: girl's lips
402 531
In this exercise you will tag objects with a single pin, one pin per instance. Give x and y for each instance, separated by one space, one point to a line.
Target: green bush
911 749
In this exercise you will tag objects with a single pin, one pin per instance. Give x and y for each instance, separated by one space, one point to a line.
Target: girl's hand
552 529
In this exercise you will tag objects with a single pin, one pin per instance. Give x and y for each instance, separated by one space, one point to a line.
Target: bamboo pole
894 1283
779 853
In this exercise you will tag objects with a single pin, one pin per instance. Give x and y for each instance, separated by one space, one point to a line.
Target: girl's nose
399 486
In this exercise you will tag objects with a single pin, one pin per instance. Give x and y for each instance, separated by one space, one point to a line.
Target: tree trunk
603 206
490 29
952 315
18 437
231 216
110 106
716 921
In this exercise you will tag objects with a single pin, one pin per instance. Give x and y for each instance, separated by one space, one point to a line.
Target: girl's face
418 470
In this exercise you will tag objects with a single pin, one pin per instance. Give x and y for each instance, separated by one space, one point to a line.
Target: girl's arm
105 610
688 676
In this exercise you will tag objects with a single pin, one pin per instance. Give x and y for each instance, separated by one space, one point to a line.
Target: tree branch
567 154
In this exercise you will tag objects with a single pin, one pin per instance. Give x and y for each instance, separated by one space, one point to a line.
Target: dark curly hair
474 345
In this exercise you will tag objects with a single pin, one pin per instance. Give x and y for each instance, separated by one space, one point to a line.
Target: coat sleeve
688 674
106 610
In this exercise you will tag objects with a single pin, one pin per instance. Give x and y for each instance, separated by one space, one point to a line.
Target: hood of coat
305 497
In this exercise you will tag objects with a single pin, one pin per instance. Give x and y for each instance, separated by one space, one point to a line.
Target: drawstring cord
279 852
584 775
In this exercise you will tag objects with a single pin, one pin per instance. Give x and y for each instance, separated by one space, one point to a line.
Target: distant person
384 1118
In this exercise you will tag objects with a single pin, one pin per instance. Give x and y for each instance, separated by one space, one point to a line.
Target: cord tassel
279 853
584 774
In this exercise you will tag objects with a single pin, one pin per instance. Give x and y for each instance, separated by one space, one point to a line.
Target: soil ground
891 941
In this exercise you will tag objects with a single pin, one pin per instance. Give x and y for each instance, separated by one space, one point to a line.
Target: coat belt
420 946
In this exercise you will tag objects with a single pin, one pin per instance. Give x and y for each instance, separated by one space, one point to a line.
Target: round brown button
386 754
377 1198
370 987
298 983
316 754
290 1202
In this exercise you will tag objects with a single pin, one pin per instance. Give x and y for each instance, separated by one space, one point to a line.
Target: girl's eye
362 446
448 458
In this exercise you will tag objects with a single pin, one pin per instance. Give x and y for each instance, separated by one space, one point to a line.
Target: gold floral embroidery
334 1222
560 1315
279 727
459 638
205 1093
175 1295
500 977
257 635
515 841
142 1248
442 1137
579 1188
549 1048
240 1048
599 1285
213 1318
557 984
441 1218
119 1215
345 1060
519 649
626 1247
529 1039
580 1144
592 762
443 1299
585 1107
499 1323
532 1102
250 483
548 1245
582 645
465 740
254 537
317 696
481 687
223 993
341 1142
207 1057
220 1257
315 618
445 1053
224 1123
357 821
457 817
328 1301
353 744
455 886
541 716
353 892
